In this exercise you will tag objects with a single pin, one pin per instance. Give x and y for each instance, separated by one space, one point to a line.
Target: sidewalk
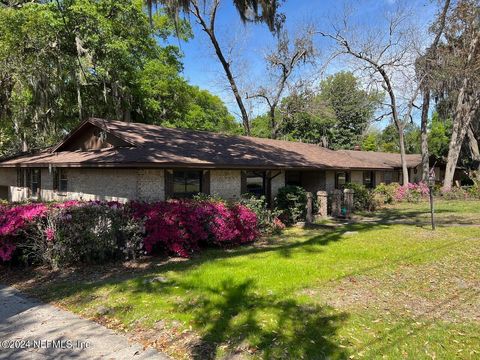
42 331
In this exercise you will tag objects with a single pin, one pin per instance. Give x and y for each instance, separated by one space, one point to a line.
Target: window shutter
168 184
206 182
243 184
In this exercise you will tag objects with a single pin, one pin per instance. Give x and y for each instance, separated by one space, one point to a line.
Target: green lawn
367 290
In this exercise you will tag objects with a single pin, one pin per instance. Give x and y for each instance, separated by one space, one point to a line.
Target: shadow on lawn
289 329
237 318
236 315
419 217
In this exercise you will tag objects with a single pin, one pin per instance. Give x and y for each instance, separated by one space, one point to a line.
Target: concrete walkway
42 331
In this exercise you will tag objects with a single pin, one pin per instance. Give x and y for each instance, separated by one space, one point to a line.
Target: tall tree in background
205 13
386 55
353 106
307 118
55 67
281 65
335 116
459 63
425 74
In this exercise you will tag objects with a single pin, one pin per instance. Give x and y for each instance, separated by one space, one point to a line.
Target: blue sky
202 68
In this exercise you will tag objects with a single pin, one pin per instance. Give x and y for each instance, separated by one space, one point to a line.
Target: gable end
89 137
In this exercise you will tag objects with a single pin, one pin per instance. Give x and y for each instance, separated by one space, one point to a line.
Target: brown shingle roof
166 147
387 159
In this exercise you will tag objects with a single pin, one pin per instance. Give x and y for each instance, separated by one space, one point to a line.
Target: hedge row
91 232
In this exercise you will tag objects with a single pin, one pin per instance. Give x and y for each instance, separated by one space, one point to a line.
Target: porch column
322 198
348 194
309 208
337 203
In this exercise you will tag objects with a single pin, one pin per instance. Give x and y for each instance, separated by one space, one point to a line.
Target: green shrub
363 198
386 193
456 193
474 191
292 202
268 220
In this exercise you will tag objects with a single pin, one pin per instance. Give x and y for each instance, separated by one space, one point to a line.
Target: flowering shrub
411 192
182 226
13 221
94 232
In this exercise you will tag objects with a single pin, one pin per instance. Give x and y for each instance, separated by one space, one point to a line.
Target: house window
293 178
256 182
387 177
341 179
20 177
369 179
60 181
33 182
186 183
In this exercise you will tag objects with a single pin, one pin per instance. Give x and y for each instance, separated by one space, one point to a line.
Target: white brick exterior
226 184
151 184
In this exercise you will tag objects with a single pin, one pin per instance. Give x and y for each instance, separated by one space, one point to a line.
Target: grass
365 290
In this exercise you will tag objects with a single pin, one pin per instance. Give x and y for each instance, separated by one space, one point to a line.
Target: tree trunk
79 101
467 104
473 147
424 134
403 157
231 80
273 123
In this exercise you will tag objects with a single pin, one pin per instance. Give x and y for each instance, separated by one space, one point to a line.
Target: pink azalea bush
83 232
14 220
411 192
181 227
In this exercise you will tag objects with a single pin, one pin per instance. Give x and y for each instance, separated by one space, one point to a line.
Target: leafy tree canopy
353 107
61 62
337 116
386 140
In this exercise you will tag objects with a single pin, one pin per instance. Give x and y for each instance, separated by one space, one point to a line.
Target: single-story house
115 160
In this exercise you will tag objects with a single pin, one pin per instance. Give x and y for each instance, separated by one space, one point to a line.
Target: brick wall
226 184
8 178
151 184
102 184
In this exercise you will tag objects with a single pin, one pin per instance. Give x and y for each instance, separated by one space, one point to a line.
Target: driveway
33 330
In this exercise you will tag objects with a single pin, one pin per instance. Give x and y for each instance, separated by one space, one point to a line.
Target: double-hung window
341 179
255 182
369 179
60 180
33 182
186 183
20 177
